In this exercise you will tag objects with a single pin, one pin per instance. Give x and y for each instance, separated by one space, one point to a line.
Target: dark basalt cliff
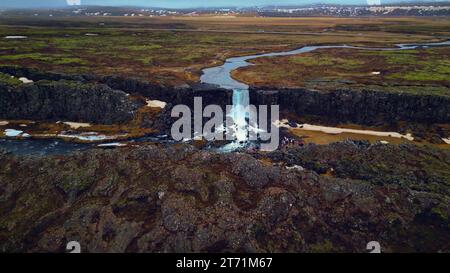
175 198
61 94
175 95
53 100
366 107
362 107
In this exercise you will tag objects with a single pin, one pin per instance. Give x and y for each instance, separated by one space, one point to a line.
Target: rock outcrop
175 198
175 95
75 101
365 107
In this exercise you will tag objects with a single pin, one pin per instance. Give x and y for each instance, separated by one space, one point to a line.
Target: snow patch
295 167
335 130
156 103
16 37
76 125
13 133
25 80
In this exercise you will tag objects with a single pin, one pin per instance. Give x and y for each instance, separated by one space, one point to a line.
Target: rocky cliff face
362 107
367 107
176 198
69 100
174 95
37 75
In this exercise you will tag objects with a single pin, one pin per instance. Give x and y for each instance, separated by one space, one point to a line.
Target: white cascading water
221 76
239 113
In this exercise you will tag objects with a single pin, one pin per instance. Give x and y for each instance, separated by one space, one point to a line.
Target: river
220 76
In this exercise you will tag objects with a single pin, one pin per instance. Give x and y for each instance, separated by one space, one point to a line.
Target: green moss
323 247
34 56
326 61
420 76
442 213
74 184
149 47
147 60
66 60
7 79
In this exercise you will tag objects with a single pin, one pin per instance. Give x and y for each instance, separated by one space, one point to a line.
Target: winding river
220 76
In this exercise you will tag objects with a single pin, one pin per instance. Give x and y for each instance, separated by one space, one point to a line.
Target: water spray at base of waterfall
243 126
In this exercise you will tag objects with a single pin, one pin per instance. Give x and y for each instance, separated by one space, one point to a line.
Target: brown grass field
173 50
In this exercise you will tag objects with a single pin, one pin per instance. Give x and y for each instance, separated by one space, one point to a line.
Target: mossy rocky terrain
176 198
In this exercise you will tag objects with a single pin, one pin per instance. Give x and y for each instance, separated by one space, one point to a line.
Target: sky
209 3
178 3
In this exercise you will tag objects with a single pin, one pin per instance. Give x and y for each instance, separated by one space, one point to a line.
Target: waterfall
241 101
239 113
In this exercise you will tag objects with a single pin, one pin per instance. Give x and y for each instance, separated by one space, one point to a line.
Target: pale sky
74 2
238 3
209 3
184 3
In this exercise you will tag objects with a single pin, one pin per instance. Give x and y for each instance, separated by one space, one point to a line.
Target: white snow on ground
15 37
446 140
295 167
76 125
25 80
156 103
13 132
3 122
336 130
